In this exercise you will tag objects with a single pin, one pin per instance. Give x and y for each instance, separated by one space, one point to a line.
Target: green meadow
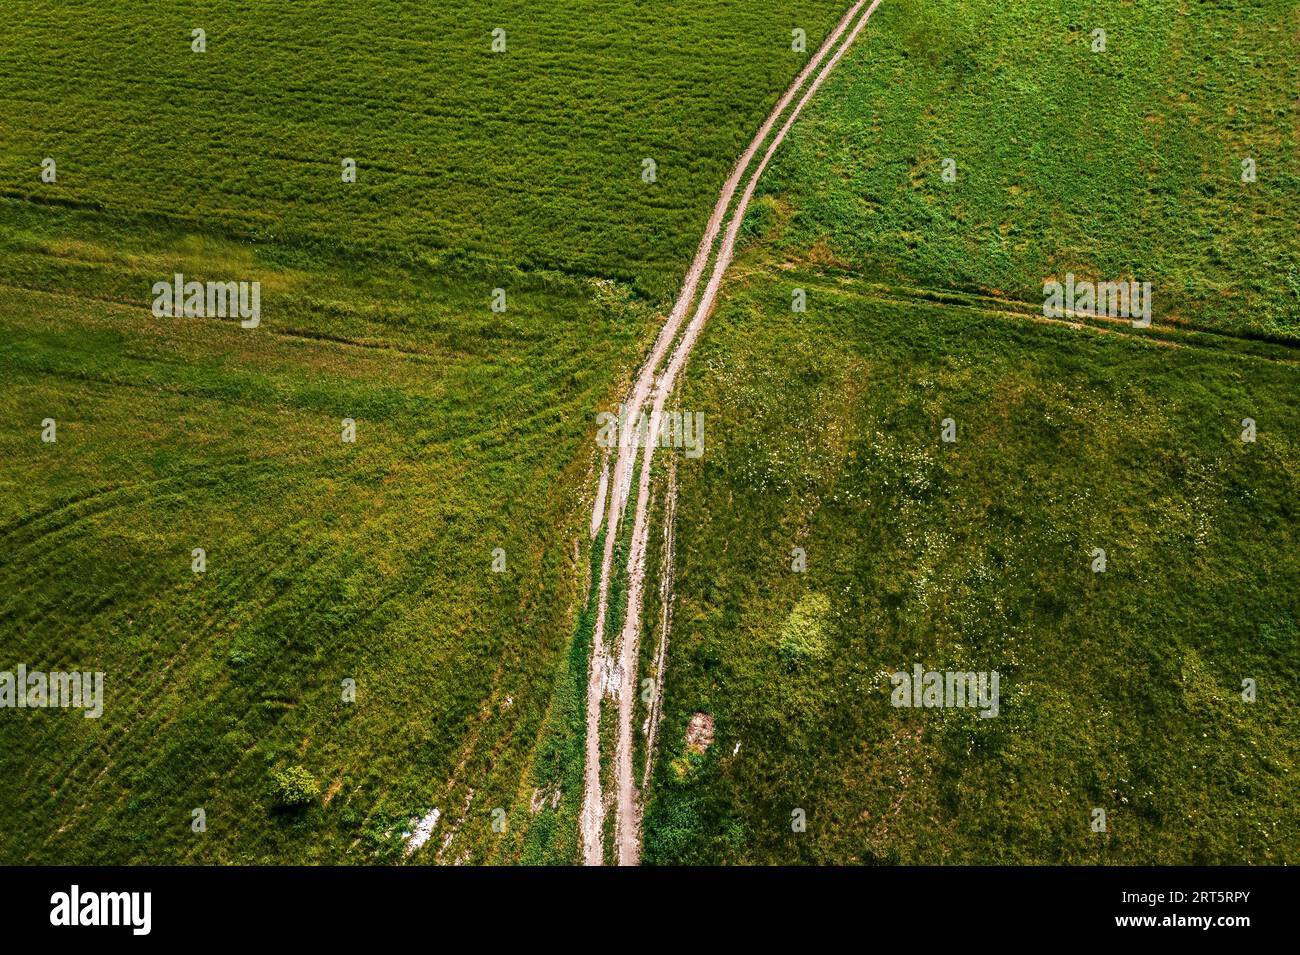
530 157
325 561
1123 164
1121 690
329 561
375 565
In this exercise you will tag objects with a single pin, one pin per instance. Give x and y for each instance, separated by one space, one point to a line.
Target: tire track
655 715
622 668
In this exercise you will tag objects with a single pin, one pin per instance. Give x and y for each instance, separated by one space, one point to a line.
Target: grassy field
1117 164
522 170
531 157
325 561
329 561
1120 690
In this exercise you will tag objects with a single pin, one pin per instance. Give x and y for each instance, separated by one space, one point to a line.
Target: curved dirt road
619 675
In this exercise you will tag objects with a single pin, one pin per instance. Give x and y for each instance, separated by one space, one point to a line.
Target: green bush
295 787
803 637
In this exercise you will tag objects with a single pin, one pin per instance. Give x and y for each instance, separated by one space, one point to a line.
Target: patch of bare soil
699 732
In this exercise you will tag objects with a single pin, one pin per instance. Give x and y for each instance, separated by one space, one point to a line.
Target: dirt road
617 671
